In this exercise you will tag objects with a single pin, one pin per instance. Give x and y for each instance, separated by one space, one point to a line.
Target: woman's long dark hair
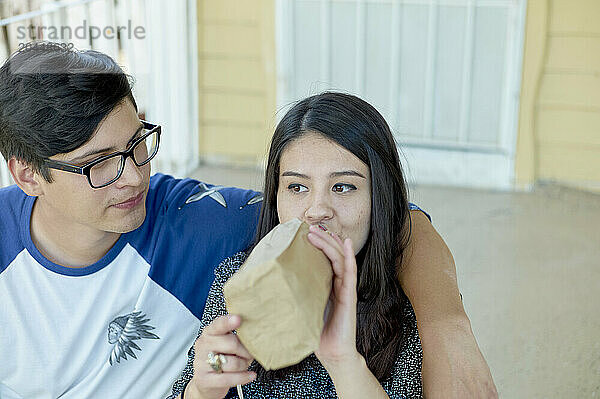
358 127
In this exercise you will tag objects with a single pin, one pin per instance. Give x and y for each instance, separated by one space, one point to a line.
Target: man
103 276
104 270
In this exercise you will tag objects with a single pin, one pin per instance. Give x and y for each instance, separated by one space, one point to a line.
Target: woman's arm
353 379
337 347
453 366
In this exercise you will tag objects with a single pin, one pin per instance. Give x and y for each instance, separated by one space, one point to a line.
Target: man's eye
343 188
297 188
86 161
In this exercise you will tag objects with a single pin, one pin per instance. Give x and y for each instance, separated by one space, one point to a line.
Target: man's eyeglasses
107 169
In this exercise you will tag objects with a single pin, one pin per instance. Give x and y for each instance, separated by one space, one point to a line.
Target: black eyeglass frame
128 153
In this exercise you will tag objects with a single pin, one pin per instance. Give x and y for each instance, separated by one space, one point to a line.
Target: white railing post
465 97
430 74
5 178
325 45
394 90
172 82
361 16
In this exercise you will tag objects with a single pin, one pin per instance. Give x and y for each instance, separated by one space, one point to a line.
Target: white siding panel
488 75
343 49
448 77
413 63
378 56
444 73
307 37
460 168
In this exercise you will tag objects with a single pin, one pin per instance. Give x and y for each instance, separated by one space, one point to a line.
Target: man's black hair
53 98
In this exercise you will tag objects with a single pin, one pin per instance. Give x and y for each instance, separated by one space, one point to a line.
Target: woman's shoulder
229 266
415 207
406 375
215 301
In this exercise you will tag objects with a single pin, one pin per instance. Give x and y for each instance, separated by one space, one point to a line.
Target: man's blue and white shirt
122 327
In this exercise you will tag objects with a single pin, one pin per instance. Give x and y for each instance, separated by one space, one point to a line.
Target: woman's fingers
337 239
343 263
218 338
351 269
223 325
228 379
328 236
342 258
234 358
208 381
233 363
335 256
226 344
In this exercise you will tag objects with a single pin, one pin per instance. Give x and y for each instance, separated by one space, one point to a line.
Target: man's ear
25 177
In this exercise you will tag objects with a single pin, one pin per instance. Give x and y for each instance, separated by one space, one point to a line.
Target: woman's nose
318 209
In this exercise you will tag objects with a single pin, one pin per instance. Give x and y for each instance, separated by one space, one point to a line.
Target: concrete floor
529 271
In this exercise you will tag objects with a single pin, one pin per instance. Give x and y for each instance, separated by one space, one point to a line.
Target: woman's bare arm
453 366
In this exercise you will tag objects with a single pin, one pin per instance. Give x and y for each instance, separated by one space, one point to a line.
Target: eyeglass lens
109 170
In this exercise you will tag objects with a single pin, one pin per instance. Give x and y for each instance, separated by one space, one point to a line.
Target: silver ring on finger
216 361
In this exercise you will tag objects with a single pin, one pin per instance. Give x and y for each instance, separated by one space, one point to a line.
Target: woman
333 163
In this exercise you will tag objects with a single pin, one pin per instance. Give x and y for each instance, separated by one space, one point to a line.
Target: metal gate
444 73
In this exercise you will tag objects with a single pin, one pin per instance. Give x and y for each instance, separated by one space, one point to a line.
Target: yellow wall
559 123
237 79
559 129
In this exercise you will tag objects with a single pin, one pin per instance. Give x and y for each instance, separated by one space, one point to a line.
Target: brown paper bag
281 292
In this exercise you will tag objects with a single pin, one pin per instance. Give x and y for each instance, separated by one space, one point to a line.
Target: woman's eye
297 188
343 188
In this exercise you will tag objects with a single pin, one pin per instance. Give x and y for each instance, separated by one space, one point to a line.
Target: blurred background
495 105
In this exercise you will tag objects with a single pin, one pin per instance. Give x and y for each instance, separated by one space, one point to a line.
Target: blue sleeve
13 223
414 207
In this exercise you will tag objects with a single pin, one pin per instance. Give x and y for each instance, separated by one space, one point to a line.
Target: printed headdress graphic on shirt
123 331
205 191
